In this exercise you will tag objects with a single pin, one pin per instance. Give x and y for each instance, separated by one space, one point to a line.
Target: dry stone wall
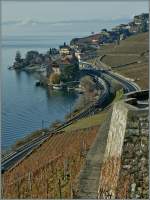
134 179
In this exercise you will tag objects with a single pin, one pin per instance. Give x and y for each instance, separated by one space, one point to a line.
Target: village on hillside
139 24
62 65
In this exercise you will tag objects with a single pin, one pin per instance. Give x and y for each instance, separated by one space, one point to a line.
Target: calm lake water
24 106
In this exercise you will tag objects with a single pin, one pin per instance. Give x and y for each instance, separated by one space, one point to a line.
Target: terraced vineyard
135 44
50 171
118 60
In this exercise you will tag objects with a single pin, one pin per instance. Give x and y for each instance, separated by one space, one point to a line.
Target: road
127 84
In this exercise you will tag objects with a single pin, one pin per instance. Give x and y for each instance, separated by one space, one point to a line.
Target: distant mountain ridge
36 22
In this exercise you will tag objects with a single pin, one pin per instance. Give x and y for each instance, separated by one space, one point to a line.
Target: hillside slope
130 58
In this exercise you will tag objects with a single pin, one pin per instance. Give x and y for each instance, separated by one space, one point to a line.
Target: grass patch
119 95
87 122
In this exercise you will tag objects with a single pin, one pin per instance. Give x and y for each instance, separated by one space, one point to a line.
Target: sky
63 11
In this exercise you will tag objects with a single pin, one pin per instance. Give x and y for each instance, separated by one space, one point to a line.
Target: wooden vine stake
47 188
59 184
2 185
30 184
17 188
65 168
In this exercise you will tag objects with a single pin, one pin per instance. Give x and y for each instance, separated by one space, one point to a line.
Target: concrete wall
112 157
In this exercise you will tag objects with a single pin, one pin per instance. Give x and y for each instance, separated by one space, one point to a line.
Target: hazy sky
55 11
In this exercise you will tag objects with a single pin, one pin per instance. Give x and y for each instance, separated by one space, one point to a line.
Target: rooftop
64 46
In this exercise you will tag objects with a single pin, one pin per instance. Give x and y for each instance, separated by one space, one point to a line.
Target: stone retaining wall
134 177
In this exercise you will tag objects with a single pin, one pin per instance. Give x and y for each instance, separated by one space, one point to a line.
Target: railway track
103 101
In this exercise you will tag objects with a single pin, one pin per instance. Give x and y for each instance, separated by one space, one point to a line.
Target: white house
64 49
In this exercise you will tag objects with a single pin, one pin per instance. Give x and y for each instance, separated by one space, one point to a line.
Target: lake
24 105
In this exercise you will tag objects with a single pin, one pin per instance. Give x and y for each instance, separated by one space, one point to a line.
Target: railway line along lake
24 106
